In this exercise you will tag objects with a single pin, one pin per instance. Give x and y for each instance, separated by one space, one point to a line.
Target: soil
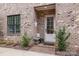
14 46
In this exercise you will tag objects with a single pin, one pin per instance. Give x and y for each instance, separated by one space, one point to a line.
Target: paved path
15 52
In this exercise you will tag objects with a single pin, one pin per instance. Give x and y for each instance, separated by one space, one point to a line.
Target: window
13 24
49 25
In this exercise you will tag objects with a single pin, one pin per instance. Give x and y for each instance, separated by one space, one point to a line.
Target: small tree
25 40
61 37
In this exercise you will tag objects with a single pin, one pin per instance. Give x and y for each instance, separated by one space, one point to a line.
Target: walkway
16 52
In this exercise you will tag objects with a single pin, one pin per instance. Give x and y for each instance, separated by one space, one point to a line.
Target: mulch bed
43 49
15 46
36 48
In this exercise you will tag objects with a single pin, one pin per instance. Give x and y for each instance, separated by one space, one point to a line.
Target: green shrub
61 37
25 41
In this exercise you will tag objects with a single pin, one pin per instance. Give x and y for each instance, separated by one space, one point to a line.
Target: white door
49 29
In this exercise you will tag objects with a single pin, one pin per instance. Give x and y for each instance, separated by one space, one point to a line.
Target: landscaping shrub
2 42
25 41
62 35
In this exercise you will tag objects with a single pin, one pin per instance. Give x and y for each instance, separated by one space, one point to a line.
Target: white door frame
48 38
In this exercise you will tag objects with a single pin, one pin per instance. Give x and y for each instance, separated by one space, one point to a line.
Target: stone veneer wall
28 17
68 15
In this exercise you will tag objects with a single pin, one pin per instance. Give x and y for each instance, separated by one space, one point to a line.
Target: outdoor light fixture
35 24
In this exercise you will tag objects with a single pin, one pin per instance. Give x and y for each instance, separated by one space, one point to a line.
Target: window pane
13 23
11 28
17 24
49 25
17 28
10 21
17 20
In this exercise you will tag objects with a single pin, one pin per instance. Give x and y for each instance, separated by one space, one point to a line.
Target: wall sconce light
35 24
